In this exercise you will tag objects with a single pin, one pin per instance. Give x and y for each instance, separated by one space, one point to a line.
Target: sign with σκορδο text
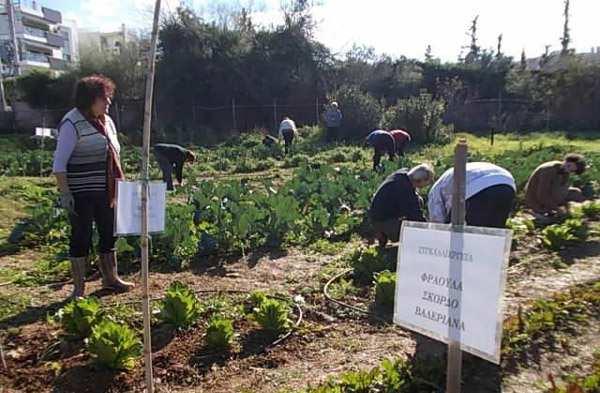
450 284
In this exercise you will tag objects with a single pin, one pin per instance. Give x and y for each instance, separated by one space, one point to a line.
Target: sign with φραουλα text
450 284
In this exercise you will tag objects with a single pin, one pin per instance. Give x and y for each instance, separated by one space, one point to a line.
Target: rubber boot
110 276
78 274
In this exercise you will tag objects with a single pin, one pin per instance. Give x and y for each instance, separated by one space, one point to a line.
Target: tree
428 55
523 63
499 53
474 48
566 37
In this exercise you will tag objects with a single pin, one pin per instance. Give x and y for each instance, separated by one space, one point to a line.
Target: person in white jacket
490 196
287 132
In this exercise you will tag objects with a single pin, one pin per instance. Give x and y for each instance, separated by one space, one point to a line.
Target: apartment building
42 38
110 42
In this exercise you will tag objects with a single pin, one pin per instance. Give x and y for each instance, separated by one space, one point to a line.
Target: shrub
80 316
555 237
114 346
385 289
589 209
219 334
362 112
273 316
366 261
178 244
180 308
421 115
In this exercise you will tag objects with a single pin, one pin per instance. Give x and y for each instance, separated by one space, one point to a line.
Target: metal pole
317 110
145 236
42 142
233 114
275 114
2 93
454 365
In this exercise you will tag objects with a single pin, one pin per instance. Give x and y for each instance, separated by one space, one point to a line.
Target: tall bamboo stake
454 364
145 236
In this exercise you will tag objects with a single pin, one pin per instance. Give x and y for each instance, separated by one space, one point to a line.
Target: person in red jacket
402 139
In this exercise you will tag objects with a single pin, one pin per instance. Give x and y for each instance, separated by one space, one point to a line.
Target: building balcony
35 59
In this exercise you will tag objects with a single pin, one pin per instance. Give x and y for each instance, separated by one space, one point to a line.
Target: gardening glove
67 202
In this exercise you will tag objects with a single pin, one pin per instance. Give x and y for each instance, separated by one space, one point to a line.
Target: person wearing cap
548 186
396 199
490 196
172 157
287 132
382 142
402 139
333 121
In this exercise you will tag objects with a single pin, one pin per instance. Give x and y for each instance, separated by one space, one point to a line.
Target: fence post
454 362
317 110
118 114
2 93
42 142
233 114
275 114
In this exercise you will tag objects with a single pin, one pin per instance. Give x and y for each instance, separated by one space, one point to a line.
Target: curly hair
89 88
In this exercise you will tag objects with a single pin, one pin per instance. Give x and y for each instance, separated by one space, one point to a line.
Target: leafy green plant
114 346
557 236
80 316
366 261
273 316
180 308
254 300
385 289
219 334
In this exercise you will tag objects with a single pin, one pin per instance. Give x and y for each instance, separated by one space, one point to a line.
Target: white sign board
450 284
41 132
129 208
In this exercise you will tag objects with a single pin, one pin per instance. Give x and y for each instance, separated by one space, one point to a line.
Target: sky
394 27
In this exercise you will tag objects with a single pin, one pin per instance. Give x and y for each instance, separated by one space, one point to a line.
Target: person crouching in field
172 157
548 186
402 139
87 167
397 199
287 132
490 196
382 143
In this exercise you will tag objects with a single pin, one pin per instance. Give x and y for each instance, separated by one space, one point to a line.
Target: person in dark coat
382 143
172 157
396 199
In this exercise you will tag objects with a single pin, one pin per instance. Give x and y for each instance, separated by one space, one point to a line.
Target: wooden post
454 365
233 114
145 236
317 110
275 115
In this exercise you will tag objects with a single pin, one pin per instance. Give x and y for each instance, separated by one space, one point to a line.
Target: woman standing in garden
87 167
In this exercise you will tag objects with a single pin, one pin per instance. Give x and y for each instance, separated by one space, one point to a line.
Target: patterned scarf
113 165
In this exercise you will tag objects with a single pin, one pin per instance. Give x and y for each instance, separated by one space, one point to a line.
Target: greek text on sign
450 284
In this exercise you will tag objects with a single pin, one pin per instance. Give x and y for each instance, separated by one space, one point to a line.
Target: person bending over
382 142
287 132
490 196
402 139
397 199
172 157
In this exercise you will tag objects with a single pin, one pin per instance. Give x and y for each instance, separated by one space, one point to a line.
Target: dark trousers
490 207
378 153
400 146
91 208
288 138
332 134
167 170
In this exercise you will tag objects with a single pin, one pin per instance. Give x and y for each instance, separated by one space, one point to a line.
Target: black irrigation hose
346 305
